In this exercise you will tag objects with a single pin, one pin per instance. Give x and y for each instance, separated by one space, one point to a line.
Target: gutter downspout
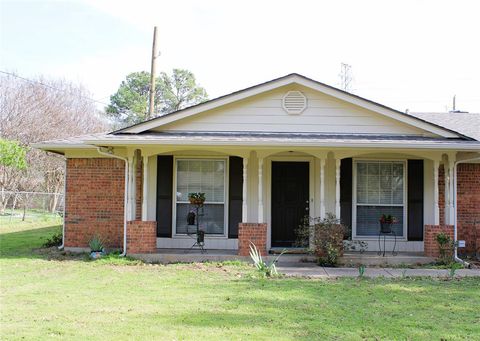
61 247
125 204
455 253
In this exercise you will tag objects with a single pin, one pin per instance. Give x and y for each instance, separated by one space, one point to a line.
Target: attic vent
294 102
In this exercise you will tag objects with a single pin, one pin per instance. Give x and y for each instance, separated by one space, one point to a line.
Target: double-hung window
380 188
205 176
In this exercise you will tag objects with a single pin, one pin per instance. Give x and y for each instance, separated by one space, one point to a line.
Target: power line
49 86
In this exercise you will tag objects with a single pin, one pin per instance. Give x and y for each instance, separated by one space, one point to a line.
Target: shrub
446 248
96 244
328 235
55 240
328 239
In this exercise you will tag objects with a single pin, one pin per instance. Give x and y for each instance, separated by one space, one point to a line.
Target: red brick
141 237
252 233
430 244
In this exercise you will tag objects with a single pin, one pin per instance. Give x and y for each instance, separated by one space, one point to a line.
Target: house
265 157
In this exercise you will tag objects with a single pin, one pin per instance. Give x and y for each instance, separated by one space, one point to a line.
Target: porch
250 196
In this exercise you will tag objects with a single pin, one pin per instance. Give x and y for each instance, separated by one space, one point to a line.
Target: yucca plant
96 244
267 269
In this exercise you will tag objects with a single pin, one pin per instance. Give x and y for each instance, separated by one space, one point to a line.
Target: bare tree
43 109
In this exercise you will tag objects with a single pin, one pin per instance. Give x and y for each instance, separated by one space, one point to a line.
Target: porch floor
289 260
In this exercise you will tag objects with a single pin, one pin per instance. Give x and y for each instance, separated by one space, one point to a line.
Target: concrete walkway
315 271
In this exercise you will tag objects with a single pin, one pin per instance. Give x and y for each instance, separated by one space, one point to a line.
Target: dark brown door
290 192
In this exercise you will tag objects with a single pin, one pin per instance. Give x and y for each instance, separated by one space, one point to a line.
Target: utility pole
346 77
153 72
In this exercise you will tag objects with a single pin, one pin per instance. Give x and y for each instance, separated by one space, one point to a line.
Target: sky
412 55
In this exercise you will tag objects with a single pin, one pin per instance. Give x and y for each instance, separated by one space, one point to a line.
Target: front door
290 203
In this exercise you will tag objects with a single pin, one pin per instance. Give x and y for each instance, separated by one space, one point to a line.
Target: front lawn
45 295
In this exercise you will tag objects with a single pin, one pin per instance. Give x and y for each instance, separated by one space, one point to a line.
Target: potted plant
97 249
386 222
196 198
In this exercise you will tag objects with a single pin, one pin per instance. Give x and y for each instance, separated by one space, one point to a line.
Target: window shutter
235 193
415 200
346 192
164 195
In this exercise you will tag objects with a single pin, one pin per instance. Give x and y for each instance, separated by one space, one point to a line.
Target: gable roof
293 78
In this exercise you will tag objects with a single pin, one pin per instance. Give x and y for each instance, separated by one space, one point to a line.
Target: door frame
268 187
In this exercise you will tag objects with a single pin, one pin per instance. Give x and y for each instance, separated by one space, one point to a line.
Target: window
379 190
206 176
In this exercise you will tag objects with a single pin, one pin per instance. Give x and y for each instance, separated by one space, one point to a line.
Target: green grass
47 295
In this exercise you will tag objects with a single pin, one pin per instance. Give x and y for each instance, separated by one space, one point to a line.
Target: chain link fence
20 206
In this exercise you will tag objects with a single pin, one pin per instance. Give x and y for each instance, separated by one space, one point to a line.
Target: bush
55 240
96 244
328 235
446 247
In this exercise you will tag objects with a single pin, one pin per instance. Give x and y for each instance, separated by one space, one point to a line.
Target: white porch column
260 190
145 189
451 213
130 189
436 208
337 188
244 190
322 188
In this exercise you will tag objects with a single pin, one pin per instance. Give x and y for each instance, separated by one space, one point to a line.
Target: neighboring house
266 156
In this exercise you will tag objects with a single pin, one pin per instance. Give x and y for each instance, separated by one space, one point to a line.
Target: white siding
265 113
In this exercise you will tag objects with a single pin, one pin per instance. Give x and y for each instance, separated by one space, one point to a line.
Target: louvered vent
294 102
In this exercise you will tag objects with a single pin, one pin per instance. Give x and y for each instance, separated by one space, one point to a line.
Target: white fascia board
256 90
356 144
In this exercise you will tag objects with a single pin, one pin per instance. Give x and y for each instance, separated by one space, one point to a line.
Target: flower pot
97 254
386 227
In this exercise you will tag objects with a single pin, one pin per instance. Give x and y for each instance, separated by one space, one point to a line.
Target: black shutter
164 195
235 192
346 192
415 200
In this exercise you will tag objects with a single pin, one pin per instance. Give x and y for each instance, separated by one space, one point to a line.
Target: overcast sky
404 54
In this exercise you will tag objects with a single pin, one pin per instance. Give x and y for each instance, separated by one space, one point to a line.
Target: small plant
445 247
266 269
388 219
328 239
404 273
452 271
55 240
96 244
386 222
361 270
196 198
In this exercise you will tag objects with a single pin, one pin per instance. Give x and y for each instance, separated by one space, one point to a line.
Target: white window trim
354 200
226 196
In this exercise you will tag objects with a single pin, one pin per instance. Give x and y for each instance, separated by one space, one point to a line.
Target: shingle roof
465 123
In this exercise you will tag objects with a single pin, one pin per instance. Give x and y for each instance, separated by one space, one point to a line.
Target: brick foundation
252 232
141 236
430 242
94 201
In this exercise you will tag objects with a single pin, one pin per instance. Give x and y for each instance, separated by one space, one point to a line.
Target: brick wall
94 201
141 237
252 232
430 242
468 206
